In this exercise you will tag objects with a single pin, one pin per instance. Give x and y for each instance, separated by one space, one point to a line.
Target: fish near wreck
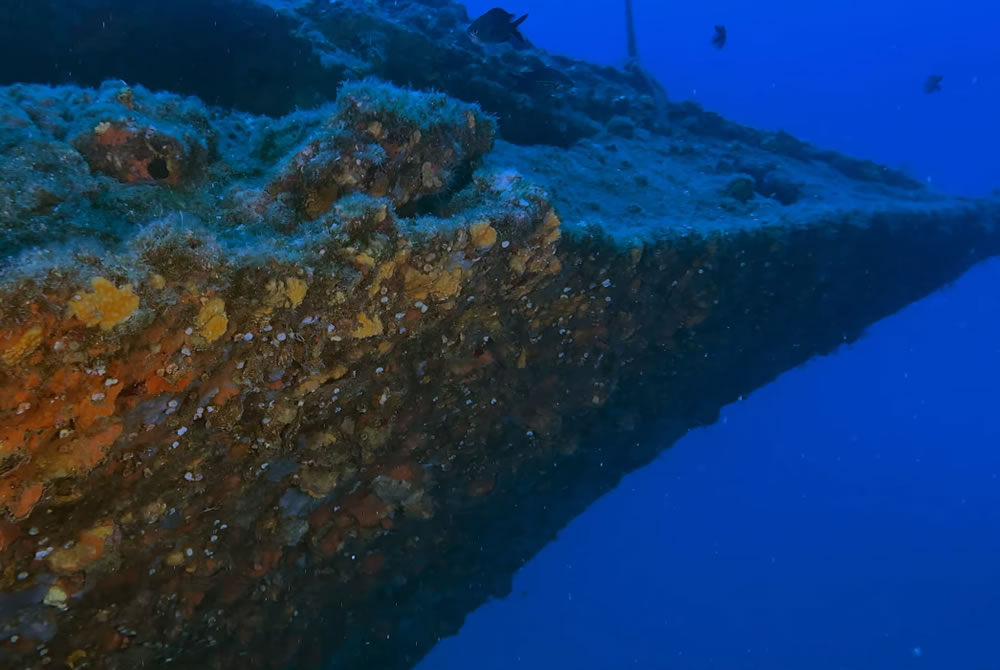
719 39
542 79
496 26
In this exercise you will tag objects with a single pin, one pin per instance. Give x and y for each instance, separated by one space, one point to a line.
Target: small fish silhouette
497 25
933 83
542 79
720 37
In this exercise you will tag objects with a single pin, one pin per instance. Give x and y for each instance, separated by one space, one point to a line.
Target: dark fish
933 83
720 37
542 79
497 26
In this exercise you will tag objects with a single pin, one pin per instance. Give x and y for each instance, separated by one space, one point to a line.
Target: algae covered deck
286 392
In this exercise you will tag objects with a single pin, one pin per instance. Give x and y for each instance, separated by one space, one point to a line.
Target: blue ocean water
845 75
844 516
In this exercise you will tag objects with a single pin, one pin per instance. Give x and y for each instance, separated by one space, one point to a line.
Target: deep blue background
845 75
846 516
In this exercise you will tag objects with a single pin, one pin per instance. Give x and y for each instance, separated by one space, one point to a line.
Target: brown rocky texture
315 400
